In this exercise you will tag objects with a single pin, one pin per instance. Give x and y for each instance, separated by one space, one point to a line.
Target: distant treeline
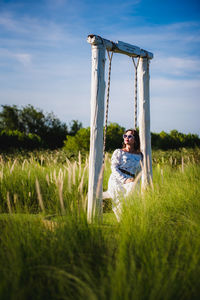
30 128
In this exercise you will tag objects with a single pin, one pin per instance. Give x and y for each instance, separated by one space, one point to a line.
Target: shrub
14 139
174 140
79 142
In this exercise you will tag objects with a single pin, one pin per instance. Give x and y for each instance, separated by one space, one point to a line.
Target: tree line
30 128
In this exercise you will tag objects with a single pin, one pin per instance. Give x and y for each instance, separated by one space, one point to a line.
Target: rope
108 95
107 104
136 67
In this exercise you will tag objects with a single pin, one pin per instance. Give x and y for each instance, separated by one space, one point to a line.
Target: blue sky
45 59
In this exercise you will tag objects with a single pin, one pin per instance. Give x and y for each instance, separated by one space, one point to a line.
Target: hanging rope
108 95
107 104
136 67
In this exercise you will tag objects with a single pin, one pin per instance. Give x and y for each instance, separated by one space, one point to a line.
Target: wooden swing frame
99 47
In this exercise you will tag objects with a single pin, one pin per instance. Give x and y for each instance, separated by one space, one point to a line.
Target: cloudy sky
45 59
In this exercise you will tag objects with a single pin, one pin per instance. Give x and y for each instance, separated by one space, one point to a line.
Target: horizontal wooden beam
119 47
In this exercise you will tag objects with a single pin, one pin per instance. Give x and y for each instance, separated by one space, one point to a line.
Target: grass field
49 251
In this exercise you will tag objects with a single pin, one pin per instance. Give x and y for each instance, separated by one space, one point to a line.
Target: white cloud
23 58
172 65
186 88
177 39
8 23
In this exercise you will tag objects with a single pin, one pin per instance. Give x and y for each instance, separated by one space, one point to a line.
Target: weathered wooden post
96 127
144 121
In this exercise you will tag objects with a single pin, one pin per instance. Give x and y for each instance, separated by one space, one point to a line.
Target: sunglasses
130 136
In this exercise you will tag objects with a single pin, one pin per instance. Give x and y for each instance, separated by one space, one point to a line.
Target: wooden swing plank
119 47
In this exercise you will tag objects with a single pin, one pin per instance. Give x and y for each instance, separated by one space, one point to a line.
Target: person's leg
120 193
117 210
116 191
128 188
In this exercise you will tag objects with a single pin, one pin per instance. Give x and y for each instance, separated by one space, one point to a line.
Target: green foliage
153 253
10 139
9 118
75 126
174 140
51 175
81 140
78 143
114 135
54 134
175 158
164 141
40 263
157 256
29 120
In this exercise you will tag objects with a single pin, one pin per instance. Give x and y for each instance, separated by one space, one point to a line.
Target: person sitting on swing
125 165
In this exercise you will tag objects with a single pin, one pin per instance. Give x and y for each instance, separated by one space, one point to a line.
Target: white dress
117 187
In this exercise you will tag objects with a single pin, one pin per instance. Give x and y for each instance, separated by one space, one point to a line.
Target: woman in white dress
125 165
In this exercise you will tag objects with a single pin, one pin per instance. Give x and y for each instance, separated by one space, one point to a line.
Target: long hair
136 144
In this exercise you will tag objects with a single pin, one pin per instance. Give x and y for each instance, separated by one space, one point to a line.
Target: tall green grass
48 182
159 255
45 184
153 253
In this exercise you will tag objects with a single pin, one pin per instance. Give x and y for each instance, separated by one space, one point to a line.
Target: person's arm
115 164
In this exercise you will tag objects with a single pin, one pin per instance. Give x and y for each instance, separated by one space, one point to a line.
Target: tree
79 142
54 132
75 126
9 118
30 120
14 139
33 120
114 137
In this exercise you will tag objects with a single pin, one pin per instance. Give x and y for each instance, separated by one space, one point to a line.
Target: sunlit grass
46 186
49 251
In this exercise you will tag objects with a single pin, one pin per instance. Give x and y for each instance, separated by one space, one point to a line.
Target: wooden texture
119 47
99 45
144 121
96 132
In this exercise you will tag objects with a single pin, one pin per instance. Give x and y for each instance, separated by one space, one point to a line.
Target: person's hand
129 180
